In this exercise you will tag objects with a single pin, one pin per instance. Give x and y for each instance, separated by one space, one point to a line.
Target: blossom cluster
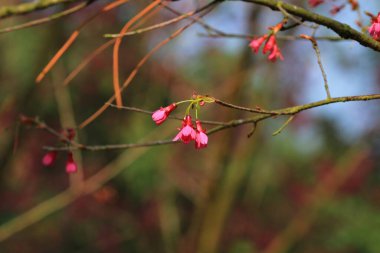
374 29
188 131
49 158
270 44
335 8
315 3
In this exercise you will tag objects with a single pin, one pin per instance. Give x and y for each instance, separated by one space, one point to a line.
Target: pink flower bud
256 43
270 44
336 8
71 166
315 3
49 158
276 53
161 114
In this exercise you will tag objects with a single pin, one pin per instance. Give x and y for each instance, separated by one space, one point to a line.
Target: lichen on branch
26 8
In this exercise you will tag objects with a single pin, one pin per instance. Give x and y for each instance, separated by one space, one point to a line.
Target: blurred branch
46 19
61 200
150 28
74 36
343 30
323 191
204 9
26 8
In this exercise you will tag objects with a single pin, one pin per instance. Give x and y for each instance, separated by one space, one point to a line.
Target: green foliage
356 225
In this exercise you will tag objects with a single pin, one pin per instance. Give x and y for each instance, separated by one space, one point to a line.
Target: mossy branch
26 8
343 30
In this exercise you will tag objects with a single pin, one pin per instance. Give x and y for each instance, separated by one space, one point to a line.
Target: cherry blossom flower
161 114
49 158
374 29
315 3
71 166
256 43
276 53
186 132
270 44
354 4
336 8
201 138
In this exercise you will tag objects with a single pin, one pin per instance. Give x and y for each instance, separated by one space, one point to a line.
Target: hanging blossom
336 8
270 44
71 166
354 4
187 132
201 139
161 114
374 29
49 158
315 3
66 136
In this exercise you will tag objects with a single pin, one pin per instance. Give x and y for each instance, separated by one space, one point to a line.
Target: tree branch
263 114
343 30
26 8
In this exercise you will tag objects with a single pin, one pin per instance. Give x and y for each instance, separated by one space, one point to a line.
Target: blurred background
313 188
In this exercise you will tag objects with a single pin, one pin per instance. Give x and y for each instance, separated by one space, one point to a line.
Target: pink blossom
256 43
186 132
270 44
161 114
201 138
49 158
315 3
71 166
276 53
374 29
336 8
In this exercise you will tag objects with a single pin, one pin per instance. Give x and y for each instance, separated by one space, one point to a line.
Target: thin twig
283 126
288 15
318 53
150 28
241 108
134 109
280 37
45 19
